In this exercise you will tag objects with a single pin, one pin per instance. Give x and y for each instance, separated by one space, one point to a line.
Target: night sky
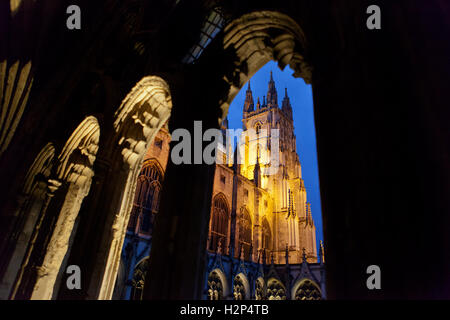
300 95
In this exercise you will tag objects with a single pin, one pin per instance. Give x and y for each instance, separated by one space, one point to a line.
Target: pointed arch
147 197
241 287
74 171
139 277
217 285
260 289
261 36
41 165
245 231
152 168
138 119
306 289
78 154
258 127
141 115
266 235
219 223
16 80
30 204
275 290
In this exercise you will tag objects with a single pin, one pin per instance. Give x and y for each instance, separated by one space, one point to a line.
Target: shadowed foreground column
177 257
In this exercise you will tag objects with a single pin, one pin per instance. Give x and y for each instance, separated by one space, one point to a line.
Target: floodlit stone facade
261 231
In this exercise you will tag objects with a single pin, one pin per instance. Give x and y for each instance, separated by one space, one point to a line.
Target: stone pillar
178 254
381 113
92 216
58 244
29 270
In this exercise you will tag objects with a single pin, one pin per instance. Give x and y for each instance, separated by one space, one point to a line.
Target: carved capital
142 113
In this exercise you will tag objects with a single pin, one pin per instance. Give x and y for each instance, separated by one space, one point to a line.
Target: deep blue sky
300 95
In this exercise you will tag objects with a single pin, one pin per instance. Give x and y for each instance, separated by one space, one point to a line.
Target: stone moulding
140 116
261 36
75 168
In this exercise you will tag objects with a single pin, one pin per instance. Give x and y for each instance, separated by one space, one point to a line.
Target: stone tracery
275 290
215 286
308 291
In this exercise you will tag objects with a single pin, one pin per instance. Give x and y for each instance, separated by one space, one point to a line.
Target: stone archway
32 200
275 290
363 80
69 177
245 45
241 287
140 116
16 80
75 168
306 289
217 285
261 36
138 281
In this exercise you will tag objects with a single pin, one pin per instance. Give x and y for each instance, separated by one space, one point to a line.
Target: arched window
150 208
238 288
215 286
266 235
138 282
259 289
308 290
139 198
258 128
146 200
245 232
219 223
275 290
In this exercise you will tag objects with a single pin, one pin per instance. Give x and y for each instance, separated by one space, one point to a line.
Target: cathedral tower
248 104
282 194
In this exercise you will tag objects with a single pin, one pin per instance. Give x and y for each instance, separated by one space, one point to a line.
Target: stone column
28 271
178 254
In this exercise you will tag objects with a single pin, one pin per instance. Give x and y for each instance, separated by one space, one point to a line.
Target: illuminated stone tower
282 196
260 217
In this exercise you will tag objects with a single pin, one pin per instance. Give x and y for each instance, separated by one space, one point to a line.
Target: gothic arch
217 285
260 289
78 154
140 116
266 237
261 36
245 231
146 200
43 164
219 223
241 287
258 126
30 203
275 290
75 172
138 281
306 289
18 62
154 164
16 80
